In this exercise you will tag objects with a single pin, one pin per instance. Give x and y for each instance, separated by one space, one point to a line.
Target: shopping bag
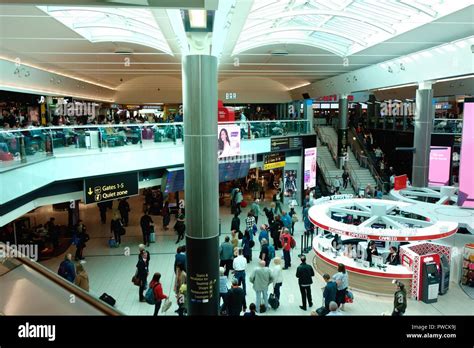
166 305
152 237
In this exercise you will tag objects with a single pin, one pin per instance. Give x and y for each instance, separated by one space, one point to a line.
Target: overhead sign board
274 160
286 143
110 187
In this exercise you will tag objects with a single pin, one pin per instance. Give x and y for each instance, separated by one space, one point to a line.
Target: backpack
292 243
273 301
150 295
271 252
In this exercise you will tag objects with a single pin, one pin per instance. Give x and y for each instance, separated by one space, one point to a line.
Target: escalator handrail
65 284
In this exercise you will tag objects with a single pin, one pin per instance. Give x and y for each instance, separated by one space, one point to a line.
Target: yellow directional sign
90 191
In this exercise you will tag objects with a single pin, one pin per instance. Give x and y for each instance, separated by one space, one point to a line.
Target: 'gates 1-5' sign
107 188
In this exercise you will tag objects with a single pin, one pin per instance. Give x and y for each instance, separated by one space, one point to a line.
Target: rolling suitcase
108 299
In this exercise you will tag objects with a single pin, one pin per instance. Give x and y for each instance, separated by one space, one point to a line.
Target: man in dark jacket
226 255
67 269
142 274
145 223
236 299
329 293
304 273
124 209
400 300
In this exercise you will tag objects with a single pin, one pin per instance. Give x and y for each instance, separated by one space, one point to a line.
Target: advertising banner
400 182
310 168
290 183
228 141
440 164
466 166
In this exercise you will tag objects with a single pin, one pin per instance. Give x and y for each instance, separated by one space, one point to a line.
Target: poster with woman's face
290 183
228 140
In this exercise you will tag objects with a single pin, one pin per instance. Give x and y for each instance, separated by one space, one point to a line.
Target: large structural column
342 130
308 113
424 115
201 183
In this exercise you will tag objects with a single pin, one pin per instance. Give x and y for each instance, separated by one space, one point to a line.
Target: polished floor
111 270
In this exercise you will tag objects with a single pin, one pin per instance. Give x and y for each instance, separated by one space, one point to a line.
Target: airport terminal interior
237 157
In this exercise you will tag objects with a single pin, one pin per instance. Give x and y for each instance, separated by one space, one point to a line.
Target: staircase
360 177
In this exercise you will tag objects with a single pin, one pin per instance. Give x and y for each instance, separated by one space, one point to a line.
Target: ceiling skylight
343 27
104 24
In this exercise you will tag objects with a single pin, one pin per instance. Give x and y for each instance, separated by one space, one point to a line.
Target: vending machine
430 281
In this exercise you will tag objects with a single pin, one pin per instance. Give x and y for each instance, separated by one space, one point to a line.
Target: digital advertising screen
466 165
228 141
310 168
290 183
440 165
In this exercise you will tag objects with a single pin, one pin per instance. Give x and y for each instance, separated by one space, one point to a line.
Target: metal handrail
63 283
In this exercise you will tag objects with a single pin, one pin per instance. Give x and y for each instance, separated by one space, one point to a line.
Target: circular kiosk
359 221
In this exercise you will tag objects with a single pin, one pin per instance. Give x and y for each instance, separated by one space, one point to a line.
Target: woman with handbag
142 274
342 281
158 292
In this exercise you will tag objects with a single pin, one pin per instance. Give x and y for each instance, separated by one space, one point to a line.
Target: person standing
329 293
141 251
82 278
278 200
236 299
336 184
142 274
103 211
255 208
165 212
264 252
226 255
269 214
238 201
250 224
286 246
261 278
333 309
393 258
252 311
345 179
179 226
180 257
124 209
399 300
277 274
239 265
305 274
235 224
66 268
342 282
157 291
286 219
247 246
146 224
180 280
275 229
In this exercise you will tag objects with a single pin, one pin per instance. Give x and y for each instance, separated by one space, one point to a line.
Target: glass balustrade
22 146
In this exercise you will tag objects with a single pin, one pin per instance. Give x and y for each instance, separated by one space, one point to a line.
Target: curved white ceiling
343 27
102 24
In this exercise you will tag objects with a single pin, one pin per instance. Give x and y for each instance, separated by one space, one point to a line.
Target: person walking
146 224
278 200
165 212
250 224
124 209
399 300
247 246
116 228
286 246
238 201
157 291
336 184
263 233
345 179
255 208
81 238
103 211
239 264
294 219
223 290
180 257
261 278
82 278
342 281
264 252
67 269
305 274
226 255
275 229
180 227
286 219
277 274
142 274
235 224
236 299
269 214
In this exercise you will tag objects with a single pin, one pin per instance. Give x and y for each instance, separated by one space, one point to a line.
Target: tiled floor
111 270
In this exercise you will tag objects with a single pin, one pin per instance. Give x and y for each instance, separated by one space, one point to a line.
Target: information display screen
440 165
232 171
310 168
173 180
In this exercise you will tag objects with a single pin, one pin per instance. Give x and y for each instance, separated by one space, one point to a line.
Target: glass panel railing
449 126
22 146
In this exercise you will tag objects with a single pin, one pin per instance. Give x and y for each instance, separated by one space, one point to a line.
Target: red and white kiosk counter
388 224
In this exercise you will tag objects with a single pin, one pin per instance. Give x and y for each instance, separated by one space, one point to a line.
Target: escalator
322 188
28 288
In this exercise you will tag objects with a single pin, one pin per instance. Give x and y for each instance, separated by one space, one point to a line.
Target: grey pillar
308 111
342 131
201 183
422 140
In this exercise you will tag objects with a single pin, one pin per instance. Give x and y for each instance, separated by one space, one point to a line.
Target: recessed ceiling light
198 19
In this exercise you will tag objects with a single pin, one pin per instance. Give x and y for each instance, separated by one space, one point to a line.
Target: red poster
400 182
